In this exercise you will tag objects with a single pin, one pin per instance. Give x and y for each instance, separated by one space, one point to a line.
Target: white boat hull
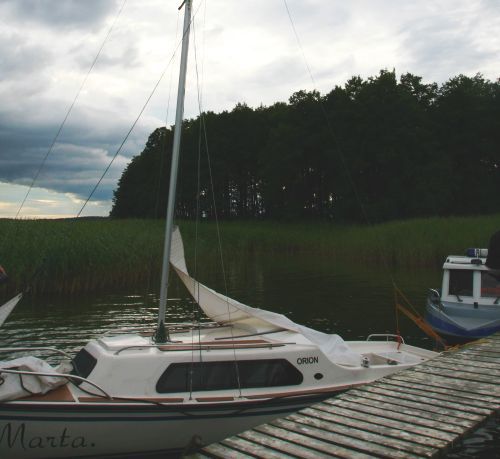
100 430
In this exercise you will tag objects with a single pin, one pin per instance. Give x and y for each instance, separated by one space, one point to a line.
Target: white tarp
7 308
16 386
225 310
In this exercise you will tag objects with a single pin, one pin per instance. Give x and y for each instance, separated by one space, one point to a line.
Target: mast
161 334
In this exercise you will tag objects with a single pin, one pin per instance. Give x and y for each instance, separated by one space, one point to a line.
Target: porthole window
83 364
206 376
318 376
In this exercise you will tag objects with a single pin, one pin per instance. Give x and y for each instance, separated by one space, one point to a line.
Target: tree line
374 149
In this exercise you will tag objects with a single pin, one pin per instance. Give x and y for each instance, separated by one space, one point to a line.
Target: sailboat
145 393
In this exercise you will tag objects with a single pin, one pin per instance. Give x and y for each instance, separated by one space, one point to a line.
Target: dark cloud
83 151
60 13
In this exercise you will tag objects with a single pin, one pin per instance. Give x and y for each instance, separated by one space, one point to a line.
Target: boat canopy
227 311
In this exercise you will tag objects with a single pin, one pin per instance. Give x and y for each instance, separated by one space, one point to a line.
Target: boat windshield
461 282
490 284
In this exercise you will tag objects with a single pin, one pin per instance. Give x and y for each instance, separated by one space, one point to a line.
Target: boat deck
419 412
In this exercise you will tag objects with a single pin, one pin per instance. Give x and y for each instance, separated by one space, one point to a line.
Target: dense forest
376 149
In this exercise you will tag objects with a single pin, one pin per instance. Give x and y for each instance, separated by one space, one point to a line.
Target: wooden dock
419 412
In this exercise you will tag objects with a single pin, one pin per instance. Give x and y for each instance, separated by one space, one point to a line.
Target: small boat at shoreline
184 385
468 304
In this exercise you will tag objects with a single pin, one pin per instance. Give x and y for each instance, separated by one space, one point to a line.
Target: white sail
7 308
225 310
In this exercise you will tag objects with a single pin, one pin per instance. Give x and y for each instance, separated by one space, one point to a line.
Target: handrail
386 335
56 375
52 349
435 292
190 348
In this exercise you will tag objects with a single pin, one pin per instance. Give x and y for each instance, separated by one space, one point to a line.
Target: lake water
334 296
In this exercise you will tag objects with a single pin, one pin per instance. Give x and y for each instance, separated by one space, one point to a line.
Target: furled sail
7 308
16 386
225 310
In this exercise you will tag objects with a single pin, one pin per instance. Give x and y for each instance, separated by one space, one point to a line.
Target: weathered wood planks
417 413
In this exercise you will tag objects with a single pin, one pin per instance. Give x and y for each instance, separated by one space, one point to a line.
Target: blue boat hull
462 321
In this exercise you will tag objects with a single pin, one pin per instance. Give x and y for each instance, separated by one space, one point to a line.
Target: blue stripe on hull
92 413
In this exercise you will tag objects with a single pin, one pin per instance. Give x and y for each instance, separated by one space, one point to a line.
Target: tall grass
72 256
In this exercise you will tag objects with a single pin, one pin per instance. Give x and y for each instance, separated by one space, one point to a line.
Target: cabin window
490 284
461 282
204 376
83 364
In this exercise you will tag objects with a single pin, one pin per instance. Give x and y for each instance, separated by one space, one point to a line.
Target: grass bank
72 256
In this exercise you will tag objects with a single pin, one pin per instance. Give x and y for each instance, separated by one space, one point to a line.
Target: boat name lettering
15 437
307 360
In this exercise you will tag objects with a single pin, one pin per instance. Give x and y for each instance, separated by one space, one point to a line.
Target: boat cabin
467 279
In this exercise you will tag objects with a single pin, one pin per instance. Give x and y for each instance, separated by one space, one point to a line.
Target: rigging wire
219 239
60 129
197 221
163 154
70 109
134 123
341 155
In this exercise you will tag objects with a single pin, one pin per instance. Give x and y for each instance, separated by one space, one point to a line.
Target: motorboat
468 304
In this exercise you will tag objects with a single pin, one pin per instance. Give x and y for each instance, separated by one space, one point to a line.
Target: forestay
225 310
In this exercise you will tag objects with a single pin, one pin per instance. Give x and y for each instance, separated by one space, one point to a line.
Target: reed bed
76 256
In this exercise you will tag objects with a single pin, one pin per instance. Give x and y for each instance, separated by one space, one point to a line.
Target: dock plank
416 413
482 389
408 439
473 362
358 433
384 411
470 412
253 449
465 370
457 375
217 450
440 393
313 429
464 360
317 446
409 402
376 422
283 444
445 420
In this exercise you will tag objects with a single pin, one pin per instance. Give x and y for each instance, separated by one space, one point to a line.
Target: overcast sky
246 52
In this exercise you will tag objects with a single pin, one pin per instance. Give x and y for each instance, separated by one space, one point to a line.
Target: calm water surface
330 295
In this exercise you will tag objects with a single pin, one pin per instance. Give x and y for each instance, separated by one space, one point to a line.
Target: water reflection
345 298
326 294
